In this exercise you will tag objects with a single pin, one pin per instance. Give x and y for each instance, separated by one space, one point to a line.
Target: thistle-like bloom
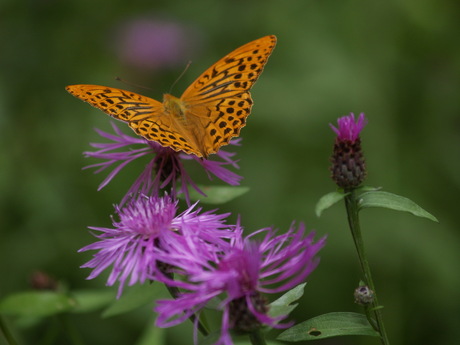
241 275
349 129
348 165
150 43
165 169
148 228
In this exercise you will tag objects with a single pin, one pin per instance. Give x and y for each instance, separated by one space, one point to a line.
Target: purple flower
348 128
348 166
165 168
240 275
147 229
149 43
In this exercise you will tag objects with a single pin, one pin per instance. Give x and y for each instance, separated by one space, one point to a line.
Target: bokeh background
396 61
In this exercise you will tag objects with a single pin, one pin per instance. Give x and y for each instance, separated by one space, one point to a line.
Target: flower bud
348 166
364 295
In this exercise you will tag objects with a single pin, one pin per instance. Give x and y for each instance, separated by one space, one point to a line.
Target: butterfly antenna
180 76
132 84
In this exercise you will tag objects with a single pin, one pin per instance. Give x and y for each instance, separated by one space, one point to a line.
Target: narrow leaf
327 201
90 300
210 339
329 325
393 202
217 194
133 298
36 303
284 305
152 335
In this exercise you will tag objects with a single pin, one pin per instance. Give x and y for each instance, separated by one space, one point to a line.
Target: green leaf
363 189
152 335
36 303
329 325
284 305
393 202
237 339
132 298
90 300
210 339
327 201
217 194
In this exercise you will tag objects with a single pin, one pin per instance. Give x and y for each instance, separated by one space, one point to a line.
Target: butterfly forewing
143 114
221 97
234 73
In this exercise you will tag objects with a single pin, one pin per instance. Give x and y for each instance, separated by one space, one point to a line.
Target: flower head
149 43
241 275
147 229
349 129
348 165
165 169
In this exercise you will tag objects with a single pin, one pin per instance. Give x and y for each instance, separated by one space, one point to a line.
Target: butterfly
210 112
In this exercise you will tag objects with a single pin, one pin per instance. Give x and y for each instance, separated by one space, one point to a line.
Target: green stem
174 291
257 338
353 221
6 332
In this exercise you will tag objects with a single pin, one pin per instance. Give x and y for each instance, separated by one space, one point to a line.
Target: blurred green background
396 61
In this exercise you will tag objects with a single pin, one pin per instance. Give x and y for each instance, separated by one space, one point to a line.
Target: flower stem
257 338
6 332
353 221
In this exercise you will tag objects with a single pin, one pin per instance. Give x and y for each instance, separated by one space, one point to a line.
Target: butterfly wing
219 99
144 115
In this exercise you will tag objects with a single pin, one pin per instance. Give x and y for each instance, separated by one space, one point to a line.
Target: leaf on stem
329 325
217 194
393 202
135 297
90 300
284 305
327 201
36 303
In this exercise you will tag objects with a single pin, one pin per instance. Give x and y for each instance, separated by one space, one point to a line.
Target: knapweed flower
241 276
147 229
151 43
348 165
165 169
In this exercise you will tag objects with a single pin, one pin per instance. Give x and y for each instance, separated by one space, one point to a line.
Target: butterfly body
210 112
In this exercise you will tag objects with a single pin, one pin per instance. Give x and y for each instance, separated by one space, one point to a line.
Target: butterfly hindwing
227 117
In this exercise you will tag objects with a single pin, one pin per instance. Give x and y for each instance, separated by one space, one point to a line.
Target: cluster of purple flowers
196 252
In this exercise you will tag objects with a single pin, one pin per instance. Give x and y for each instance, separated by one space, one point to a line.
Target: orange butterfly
208 114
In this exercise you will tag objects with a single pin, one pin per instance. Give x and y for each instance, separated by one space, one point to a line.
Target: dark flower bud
42 281
364 295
